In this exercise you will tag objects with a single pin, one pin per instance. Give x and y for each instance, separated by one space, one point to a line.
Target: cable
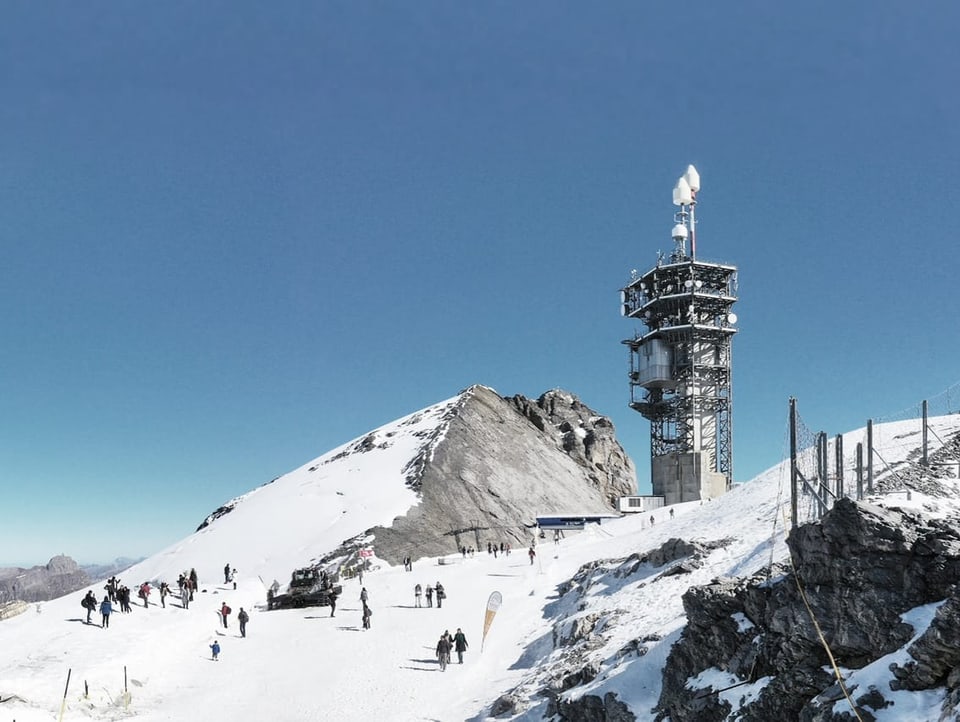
823 640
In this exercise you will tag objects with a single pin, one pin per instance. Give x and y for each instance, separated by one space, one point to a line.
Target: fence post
793 462
838 449
869 456
822 473
859 471
923 459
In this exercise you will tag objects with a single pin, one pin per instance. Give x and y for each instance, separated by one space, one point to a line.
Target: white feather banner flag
493 604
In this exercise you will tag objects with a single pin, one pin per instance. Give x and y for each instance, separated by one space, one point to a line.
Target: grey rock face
586 437
501 462
591 708
861 567
936 654
59 576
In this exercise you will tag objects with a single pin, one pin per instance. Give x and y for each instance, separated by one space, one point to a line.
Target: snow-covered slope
303 514
303 665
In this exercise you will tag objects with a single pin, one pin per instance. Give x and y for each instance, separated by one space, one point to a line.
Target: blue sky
235 236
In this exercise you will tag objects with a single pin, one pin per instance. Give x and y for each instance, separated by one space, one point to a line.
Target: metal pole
793 462
869 456
924 459
838 449
63 705
859 470
824 474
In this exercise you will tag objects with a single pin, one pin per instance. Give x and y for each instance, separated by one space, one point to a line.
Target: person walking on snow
443 651
194 582
224 613
333 602
417 593
243 618
106 609
441 595
364 596
460 644
226 573
365 617
429 596
532 554
89 603
215 650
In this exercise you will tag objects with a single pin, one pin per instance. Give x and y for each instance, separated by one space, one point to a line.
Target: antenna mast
681 363
685 196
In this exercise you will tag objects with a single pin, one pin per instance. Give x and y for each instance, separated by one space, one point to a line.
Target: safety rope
823 640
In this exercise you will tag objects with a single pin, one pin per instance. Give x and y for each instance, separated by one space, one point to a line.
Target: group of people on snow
119 594
440 592
188 582
447 643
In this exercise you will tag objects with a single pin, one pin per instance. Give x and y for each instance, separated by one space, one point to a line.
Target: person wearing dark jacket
366 616
194 582
460 644
443 651
243 618
106 608
89 603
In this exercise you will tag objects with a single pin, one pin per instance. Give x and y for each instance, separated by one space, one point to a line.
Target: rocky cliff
853 577
59 576
498 462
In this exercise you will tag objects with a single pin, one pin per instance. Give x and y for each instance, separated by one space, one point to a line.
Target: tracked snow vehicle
309 587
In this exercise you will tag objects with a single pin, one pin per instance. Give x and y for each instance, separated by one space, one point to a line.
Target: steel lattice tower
681 363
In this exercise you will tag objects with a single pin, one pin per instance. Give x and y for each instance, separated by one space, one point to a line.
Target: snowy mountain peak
585 628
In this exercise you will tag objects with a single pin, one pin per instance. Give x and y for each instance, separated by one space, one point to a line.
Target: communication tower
680 364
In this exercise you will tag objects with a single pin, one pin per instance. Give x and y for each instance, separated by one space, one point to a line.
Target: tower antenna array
681 363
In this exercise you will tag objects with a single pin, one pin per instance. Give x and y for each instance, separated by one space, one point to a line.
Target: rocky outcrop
579 632
585 436
498 464
59 576
859 569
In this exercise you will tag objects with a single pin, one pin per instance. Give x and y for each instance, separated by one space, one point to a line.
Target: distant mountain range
61 575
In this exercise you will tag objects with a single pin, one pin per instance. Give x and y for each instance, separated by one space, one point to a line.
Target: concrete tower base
685 477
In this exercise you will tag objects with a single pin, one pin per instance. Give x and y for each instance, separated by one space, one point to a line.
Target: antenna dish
692 178
732 317
679 232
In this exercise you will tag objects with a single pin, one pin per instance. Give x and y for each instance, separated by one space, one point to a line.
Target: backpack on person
227 610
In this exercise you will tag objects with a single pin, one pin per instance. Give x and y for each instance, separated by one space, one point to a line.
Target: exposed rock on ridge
59 576
499 463
861 567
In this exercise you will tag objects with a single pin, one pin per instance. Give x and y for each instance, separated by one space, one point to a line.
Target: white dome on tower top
682 195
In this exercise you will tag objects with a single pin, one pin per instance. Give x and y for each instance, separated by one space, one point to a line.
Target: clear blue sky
236 234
